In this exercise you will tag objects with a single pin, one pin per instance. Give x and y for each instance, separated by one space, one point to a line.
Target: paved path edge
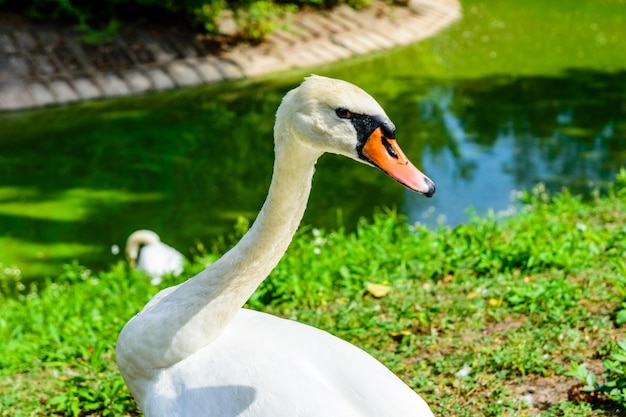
42 65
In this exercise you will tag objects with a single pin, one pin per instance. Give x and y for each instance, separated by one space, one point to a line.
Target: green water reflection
507 97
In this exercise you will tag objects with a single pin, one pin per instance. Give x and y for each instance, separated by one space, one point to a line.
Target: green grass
516 304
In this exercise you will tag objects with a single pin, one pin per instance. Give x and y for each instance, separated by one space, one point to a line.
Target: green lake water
513 94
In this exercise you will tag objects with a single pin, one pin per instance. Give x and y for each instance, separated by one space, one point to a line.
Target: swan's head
136 241
335 116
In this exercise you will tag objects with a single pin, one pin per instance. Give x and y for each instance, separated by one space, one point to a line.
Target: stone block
229 69
14 95
111 84
19 66
137 81
378 40
352 42
43 66
41 94
183 75
86 88
207 68
62 91
160 80
162 53
25 40
6 44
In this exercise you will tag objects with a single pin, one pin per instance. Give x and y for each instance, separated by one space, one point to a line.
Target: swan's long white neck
186 318
233 279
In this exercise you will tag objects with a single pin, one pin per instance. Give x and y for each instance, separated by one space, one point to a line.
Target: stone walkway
46 65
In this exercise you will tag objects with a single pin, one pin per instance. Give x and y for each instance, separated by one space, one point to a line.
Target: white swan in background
194 351
146 252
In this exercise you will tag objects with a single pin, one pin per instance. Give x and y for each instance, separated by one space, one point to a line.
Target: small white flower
528 399
465 371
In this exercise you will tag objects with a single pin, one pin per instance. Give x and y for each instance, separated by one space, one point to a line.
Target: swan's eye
343 113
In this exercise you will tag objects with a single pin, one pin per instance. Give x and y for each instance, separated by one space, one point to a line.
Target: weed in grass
620 285
613 384
88 392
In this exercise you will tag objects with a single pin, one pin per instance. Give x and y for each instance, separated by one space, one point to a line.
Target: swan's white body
147 253
193 351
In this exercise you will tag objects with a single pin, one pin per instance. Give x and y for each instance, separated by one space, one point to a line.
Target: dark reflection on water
186 164
499 134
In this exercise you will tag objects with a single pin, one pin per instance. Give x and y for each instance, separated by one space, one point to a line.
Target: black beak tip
431 187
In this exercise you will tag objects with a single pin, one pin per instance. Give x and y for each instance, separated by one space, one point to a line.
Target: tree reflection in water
500 134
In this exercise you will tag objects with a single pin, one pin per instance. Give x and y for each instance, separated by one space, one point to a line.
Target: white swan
146 252
193 351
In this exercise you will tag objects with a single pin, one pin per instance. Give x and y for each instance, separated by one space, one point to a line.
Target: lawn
504 316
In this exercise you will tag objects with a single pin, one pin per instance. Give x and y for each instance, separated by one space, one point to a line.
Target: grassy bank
491 318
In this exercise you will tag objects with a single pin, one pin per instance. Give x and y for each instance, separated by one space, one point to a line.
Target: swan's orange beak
386 154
